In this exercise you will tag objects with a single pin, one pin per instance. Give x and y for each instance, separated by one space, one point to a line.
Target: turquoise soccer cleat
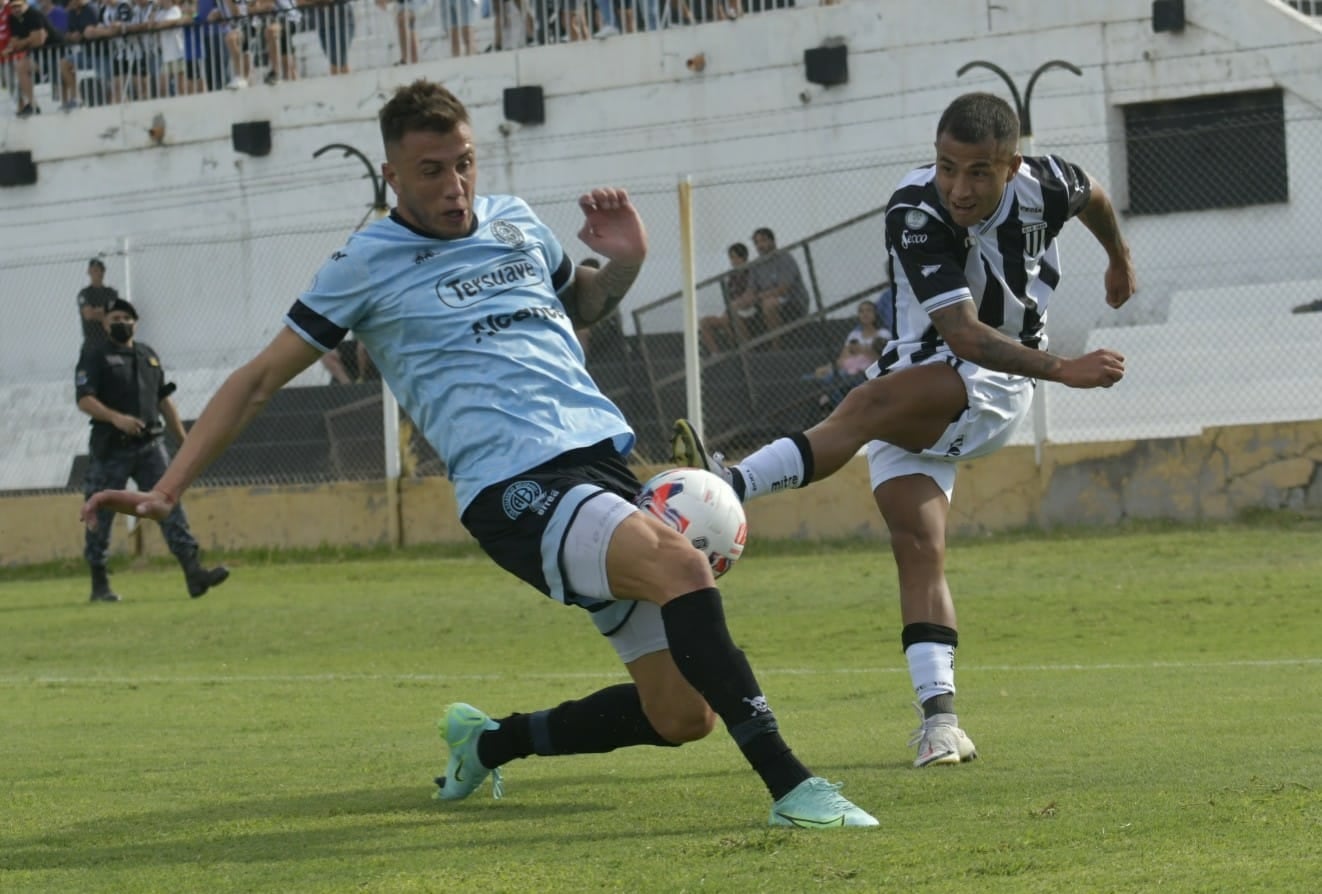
461 727
818 804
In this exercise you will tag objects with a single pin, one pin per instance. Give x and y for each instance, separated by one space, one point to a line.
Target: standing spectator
129 67
406 27
93 300
776 282
28 31
168 19
81 15
120 383
335 24
459 22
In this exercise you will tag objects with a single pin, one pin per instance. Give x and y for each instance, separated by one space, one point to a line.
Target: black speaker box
524 105
17 169
827 66
1168 15
251 137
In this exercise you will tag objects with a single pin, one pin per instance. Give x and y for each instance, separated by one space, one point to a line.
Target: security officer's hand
129 425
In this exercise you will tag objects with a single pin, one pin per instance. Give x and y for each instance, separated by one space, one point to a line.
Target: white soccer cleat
941 741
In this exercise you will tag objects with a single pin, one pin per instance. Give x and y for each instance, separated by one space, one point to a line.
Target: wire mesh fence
790 262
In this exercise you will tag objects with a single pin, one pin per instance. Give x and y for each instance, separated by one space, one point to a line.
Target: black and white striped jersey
1008 265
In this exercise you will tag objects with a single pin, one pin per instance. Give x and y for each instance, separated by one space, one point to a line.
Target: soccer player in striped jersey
973 255
467 304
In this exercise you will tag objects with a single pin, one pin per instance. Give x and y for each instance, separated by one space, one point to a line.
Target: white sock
777 466
932 669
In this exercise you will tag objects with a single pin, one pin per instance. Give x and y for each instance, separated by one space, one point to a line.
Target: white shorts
996 403
634 628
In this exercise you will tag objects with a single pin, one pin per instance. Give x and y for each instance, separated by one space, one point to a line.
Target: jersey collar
399 219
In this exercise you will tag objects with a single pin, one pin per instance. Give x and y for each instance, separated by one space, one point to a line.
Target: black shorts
512 520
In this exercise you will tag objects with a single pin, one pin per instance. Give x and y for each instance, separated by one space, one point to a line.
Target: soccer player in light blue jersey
468 305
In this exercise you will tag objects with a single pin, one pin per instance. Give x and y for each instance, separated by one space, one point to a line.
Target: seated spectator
741 318
80 16
28 31
776 282
861 349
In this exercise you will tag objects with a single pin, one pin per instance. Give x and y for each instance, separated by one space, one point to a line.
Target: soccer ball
703 508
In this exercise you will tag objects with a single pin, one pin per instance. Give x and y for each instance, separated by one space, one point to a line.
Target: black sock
708 658
603 721
801 441
941 703
737 482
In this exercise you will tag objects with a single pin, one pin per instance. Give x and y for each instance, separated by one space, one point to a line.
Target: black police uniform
131 380
95 296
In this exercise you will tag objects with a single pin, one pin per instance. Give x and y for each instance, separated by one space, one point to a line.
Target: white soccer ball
703 508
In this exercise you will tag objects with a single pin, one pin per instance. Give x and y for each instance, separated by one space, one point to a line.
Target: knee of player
918 544
689 725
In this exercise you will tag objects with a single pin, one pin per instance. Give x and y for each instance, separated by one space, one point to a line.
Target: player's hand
154 504
1121 282
612 227
129 425
1099 369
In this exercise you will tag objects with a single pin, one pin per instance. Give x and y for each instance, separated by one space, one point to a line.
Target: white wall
627 111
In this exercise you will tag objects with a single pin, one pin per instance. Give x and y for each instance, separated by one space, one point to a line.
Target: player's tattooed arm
976 342
596 293
979 343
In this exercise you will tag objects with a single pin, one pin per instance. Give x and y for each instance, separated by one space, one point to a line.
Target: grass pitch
1147 703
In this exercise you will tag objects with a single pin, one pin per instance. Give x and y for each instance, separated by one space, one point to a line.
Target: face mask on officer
121 333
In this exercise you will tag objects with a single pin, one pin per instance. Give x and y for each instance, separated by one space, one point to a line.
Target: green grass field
1147 703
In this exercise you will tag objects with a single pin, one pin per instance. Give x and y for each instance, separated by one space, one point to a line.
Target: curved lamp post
1022 109
379 206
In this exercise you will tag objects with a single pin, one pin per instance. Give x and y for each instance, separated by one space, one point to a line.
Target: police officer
121 385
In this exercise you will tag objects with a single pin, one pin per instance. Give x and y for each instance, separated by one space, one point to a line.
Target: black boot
101 591
202 579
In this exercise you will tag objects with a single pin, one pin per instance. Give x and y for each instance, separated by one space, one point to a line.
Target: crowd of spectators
94 52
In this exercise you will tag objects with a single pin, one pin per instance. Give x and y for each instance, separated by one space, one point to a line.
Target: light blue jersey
471 337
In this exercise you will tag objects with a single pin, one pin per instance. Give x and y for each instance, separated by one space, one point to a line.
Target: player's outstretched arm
975 341
613 229
1099 217
229 411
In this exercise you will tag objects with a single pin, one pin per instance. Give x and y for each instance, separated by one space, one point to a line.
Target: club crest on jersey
469 285
1035 238
526 496
915 219
507 232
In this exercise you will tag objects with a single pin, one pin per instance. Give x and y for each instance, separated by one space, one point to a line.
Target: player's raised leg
910 408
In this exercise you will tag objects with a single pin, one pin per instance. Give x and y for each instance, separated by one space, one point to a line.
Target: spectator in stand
572 21
235 15
861 349
406 26
168 19
28 32
283 21
335 26
738 322
121 22
93 301
81 15
459 22
776 282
